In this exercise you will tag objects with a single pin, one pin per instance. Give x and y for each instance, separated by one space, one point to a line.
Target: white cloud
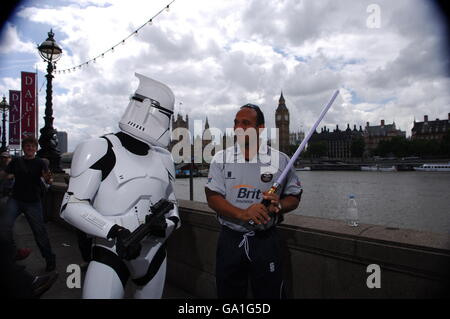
7 84
218 55
10 41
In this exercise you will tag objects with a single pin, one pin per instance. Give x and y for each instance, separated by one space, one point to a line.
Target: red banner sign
14 118
29 104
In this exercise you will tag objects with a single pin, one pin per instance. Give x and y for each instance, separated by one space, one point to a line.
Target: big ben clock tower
282 123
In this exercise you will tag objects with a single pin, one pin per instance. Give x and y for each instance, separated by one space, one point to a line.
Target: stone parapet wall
324 258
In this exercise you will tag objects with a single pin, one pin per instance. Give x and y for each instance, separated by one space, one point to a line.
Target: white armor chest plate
132 187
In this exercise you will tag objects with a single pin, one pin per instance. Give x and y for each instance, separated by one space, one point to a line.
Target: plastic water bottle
352 211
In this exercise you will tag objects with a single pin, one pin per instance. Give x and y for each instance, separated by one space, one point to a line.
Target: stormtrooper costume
115 179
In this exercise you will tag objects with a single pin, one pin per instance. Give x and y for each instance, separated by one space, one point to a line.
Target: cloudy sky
388 58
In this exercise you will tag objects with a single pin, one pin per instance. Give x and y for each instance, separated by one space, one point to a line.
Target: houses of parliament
338 142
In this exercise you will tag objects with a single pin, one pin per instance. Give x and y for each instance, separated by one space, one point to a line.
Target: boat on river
306 168
434 167
378 168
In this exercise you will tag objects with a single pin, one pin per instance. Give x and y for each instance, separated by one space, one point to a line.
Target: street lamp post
50 51
4 107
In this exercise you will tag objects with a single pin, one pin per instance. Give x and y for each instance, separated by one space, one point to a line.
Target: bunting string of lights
111 50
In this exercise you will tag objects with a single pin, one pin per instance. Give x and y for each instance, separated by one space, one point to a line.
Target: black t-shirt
27 175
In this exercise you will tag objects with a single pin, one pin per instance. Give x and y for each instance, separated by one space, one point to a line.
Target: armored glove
158 227
121 234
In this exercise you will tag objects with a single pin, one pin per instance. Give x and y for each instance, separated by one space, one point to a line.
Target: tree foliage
357 147
401 147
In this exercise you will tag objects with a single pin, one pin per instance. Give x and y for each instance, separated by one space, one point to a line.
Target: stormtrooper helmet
148 114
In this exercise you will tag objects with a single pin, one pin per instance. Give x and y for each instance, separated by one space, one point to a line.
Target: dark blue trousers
249 257
33 214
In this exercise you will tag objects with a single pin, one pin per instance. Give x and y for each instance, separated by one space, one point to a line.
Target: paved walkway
64 244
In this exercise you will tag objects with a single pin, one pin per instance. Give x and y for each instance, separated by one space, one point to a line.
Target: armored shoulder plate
87 154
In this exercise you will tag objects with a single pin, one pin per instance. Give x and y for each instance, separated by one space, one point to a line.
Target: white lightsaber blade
306 139
281 178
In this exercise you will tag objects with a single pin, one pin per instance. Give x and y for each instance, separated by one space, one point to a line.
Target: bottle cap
351 196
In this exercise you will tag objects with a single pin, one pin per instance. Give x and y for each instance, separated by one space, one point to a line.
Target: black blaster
158 210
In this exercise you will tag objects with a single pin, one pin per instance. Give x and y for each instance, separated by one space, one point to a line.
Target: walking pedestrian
26 198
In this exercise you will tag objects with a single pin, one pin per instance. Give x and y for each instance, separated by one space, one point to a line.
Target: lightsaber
273 189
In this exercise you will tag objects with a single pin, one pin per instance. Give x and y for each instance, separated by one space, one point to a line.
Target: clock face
278 117
286 117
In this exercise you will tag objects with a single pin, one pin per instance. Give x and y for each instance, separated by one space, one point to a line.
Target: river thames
413 200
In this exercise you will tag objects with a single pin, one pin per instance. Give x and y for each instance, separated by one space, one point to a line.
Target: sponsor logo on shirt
228 175
266 177
247 193
272 267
